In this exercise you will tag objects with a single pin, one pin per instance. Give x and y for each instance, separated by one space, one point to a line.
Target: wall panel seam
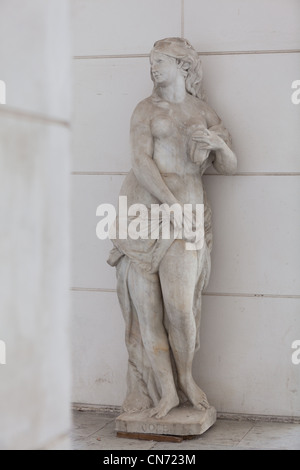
182 18
32 116
124 173
208 294
99 173
201 53
115 409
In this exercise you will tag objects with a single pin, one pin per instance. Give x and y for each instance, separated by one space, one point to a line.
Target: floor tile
273 436
96 431
109 443
87 423
188 445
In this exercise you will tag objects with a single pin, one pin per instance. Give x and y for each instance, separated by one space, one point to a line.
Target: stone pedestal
183 421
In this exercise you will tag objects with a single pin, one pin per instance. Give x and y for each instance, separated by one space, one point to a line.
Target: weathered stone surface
182 421
175 137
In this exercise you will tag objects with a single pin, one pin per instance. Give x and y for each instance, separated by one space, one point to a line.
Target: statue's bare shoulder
143 112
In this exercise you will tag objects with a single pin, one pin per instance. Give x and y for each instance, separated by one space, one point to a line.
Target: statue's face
164 69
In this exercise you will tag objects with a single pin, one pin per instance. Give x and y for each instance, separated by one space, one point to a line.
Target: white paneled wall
242 25
252 94
116 27
34 231
90 254
106 84
99 352
251 310
245 358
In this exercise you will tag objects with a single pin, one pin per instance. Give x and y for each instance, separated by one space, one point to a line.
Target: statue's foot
136 401
165 405
197 397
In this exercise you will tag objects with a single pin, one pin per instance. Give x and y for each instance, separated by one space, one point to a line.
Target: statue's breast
162 126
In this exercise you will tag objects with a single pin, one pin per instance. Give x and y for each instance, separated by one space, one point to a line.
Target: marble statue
175 137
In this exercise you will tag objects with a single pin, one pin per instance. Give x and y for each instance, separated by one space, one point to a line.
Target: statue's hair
183 51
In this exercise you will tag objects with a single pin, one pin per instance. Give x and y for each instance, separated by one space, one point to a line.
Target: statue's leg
178 277
146 295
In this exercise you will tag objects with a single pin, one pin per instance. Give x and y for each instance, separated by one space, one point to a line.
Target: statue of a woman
175 137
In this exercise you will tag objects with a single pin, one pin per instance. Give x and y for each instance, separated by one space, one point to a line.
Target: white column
35 60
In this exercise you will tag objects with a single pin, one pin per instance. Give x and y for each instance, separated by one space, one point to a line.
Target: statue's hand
208 140
189 225
178 222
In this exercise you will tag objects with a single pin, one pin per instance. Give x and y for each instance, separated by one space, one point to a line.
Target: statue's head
187 60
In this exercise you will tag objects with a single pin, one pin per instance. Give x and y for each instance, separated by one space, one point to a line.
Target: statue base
183 422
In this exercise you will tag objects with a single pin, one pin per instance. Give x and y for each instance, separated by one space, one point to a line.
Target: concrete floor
95 431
